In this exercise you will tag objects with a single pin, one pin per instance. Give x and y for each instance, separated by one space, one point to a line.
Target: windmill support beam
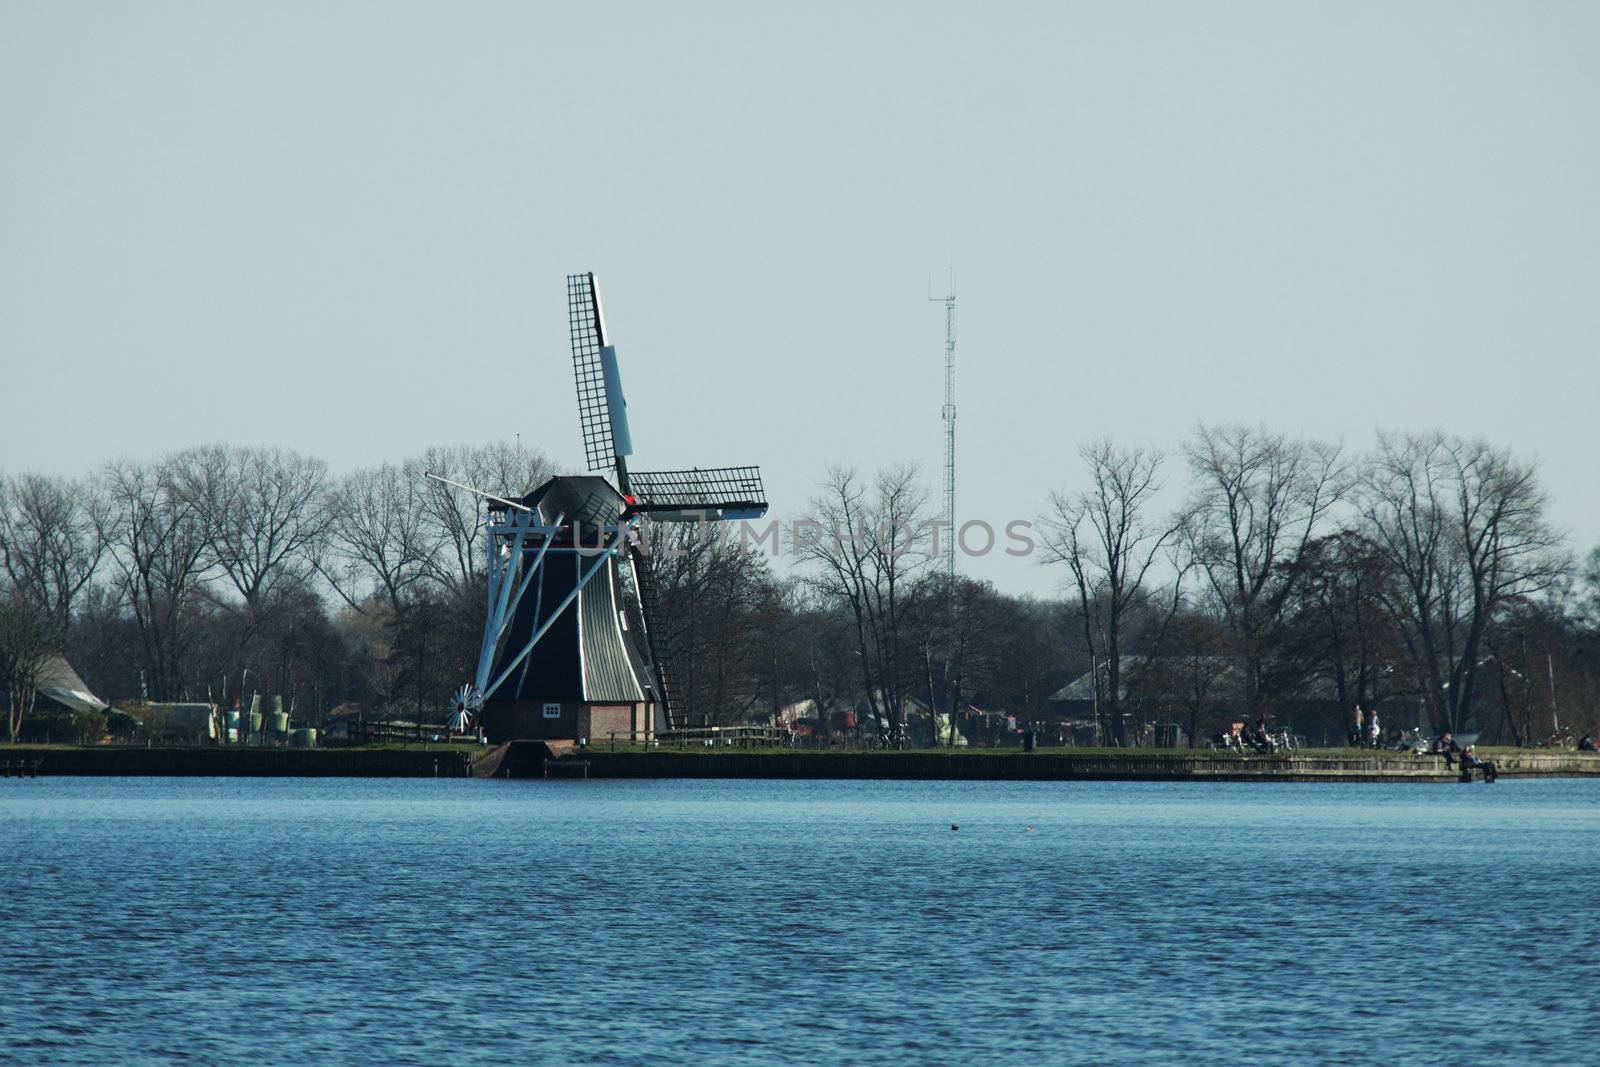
603 557
502 568
502 565
508 608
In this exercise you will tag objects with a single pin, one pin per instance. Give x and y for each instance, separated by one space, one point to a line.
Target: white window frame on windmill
552 709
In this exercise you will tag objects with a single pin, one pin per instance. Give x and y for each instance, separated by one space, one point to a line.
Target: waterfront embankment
534 759
213 761
1080 764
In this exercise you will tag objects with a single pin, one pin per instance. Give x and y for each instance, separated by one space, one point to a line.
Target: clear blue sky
344 228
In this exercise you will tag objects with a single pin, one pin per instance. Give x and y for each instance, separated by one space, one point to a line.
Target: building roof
1081 688
584 498
1228 678
60 683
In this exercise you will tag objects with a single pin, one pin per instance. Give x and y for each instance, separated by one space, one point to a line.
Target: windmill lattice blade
644 586
587 325
720 488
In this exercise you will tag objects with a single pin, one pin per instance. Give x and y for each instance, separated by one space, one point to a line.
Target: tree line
1247 573
218 570
1424 572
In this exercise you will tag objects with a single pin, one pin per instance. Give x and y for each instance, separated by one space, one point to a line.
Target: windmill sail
694 495
644 587
718 493
602 411
616 404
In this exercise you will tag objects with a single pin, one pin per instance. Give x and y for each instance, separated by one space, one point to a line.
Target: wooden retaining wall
528 760
107 760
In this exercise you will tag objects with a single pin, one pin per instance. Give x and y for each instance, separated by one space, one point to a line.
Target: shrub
64 727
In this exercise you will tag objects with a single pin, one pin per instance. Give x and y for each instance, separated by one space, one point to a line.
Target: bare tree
864 547
1192 669
970 638
380 538
457 518
825 665
158 539
1027 655
1342 629
51 540
1260 499
265 515
1465 529
1524 643
1586 607
1109 542
28 639
709 591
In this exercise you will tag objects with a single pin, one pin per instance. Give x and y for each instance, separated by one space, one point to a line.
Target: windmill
560 656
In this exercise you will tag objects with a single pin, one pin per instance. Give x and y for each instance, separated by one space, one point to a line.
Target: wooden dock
19 768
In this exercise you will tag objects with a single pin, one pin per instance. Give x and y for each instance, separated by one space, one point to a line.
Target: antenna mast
949 416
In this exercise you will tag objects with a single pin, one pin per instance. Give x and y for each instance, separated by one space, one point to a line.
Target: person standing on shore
1373 730
1355 729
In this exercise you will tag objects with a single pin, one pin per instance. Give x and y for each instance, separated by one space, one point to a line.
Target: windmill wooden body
562 656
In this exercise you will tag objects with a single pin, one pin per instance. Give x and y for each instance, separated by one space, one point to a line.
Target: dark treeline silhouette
1293 581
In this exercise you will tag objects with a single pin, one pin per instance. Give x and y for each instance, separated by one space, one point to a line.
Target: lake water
398 921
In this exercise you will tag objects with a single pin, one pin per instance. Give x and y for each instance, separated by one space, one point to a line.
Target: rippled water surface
395 921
